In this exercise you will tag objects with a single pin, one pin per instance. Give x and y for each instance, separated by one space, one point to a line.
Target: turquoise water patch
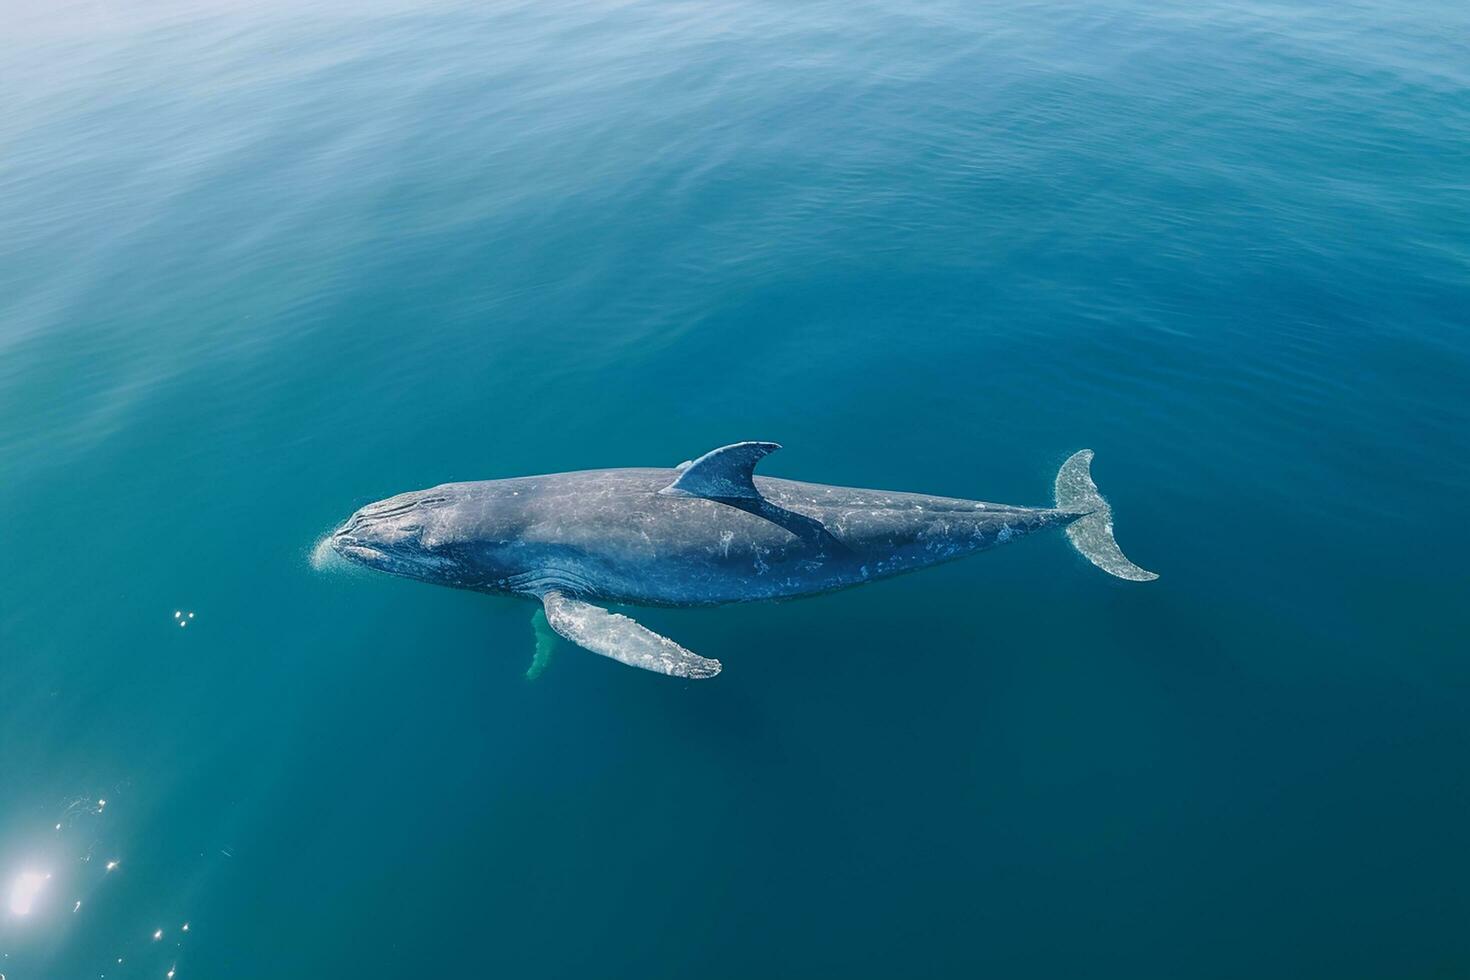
261 264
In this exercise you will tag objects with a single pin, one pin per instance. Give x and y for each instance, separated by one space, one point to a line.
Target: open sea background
261 264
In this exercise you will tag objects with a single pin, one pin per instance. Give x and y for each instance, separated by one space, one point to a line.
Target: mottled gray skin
610 536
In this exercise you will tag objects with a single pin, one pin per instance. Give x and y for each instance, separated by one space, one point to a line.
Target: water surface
260 265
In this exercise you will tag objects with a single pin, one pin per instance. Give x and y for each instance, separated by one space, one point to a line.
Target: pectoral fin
545 643
612 635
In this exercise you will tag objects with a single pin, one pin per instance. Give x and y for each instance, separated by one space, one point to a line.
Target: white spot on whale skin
1005 535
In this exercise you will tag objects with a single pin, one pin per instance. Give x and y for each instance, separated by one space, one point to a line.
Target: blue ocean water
261 264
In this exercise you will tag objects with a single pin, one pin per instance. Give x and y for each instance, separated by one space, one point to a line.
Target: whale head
403 535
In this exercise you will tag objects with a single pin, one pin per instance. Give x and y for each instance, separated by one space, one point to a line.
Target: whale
704 533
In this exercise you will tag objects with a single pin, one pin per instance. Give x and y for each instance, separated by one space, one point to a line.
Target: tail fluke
1092 534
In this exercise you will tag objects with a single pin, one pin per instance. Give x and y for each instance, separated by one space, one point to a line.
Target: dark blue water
261 264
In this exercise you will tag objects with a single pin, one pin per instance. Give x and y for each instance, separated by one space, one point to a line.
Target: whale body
707 532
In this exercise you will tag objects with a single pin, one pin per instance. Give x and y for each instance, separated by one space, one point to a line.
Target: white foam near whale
324 559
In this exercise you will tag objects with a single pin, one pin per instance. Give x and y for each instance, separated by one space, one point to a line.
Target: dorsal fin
724 474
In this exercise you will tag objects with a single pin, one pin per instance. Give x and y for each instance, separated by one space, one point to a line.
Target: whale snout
347 544
390 535
366 540
363 554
